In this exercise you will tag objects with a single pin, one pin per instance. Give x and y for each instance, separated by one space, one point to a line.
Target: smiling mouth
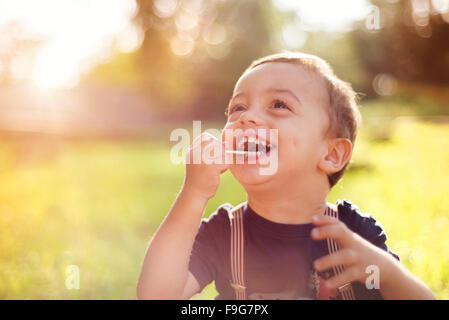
249 146
259 148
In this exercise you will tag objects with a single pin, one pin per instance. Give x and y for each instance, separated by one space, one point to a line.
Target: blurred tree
339 49
194 51
122 70
412 42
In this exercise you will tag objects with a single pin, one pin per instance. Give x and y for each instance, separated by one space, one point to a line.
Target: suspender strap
237 252
346 290
237 255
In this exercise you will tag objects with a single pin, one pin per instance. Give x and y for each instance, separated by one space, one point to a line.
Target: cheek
297 150
295 143
291 150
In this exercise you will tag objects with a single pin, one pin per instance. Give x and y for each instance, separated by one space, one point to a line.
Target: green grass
96 204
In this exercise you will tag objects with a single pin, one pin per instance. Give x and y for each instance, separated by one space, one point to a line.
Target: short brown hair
344 113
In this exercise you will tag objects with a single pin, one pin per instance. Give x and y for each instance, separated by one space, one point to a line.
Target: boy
285 229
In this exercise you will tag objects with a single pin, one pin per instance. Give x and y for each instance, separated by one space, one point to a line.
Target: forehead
308 85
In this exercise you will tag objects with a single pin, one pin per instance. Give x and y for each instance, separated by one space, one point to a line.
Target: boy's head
315 112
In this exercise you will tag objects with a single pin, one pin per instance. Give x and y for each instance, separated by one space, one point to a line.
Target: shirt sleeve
205 254
364 224
367 227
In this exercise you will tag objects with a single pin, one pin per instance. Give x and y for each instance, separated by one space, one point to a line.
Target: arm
165 270
192 286
400 283
396 282
165 267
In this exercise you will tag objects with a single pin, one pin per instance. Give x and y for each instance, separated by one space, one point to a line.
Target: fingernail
315 232
316 217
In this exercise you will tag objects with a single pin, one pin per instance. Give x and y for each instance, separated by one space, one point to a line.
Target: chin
249 174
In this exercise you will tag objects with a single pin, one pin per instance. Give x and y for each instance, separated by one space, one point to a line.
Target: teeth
241 143
255 140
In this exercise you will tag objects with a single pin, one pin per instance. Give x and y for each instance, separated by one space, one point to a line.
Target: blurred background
90 90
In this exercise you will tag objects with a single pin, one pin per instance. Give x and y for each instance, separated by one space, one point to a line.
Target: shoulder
214 231
218 220
361 223
220 214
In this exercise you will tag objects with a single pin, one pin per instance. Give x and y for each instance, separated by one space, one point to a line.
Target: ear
338 154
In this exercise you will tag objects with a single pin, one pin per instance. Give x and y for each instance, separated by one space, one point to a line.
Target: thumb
226 157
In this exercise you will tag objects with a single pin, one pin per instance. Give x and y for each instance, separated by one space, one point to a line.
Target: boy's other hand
206 161
355 253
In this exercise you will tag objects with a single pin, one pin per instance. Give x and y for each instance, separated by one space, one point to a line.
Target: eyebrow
289 92
286 91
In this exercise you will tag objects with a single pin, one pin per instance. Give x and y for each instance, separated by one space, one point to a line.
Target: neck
294 202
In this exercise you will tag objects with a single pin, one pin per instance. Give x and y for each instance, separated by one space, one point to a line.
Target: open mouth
251 145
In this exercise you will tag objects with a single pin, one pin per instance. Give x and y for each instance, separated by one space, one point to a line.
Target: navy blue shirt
278 257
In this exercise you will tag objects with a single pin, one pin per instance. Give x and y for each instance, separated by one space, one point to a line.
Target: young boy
287 251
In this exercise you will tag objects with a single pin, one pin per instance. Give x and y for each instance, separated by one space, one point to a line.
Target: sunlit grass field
96 204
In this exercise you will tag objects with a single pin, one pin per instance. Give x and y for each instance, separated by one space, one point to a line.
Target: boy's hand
206 161
355 253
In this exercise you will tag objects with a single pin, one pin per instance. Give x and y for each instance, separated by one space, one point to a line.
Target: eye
278 104
236 108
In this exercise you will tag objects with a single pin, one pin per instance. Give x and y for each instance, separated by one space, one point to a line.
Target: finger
198 145
321 220
338 231
350 274
227 158
208 136
230 136
195 144
203 138
208 152
343 257
213 152
206 139
228 143
194 152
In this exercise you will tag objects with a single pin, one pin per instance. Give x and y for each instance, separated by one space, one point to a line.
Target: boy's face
288 98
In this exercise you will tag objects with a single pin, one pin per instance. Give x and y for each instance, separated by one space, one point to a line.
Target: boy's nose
250 117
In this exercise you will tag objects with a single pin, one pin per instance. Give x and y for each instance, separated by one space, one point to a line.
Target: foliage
197 64
411 44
